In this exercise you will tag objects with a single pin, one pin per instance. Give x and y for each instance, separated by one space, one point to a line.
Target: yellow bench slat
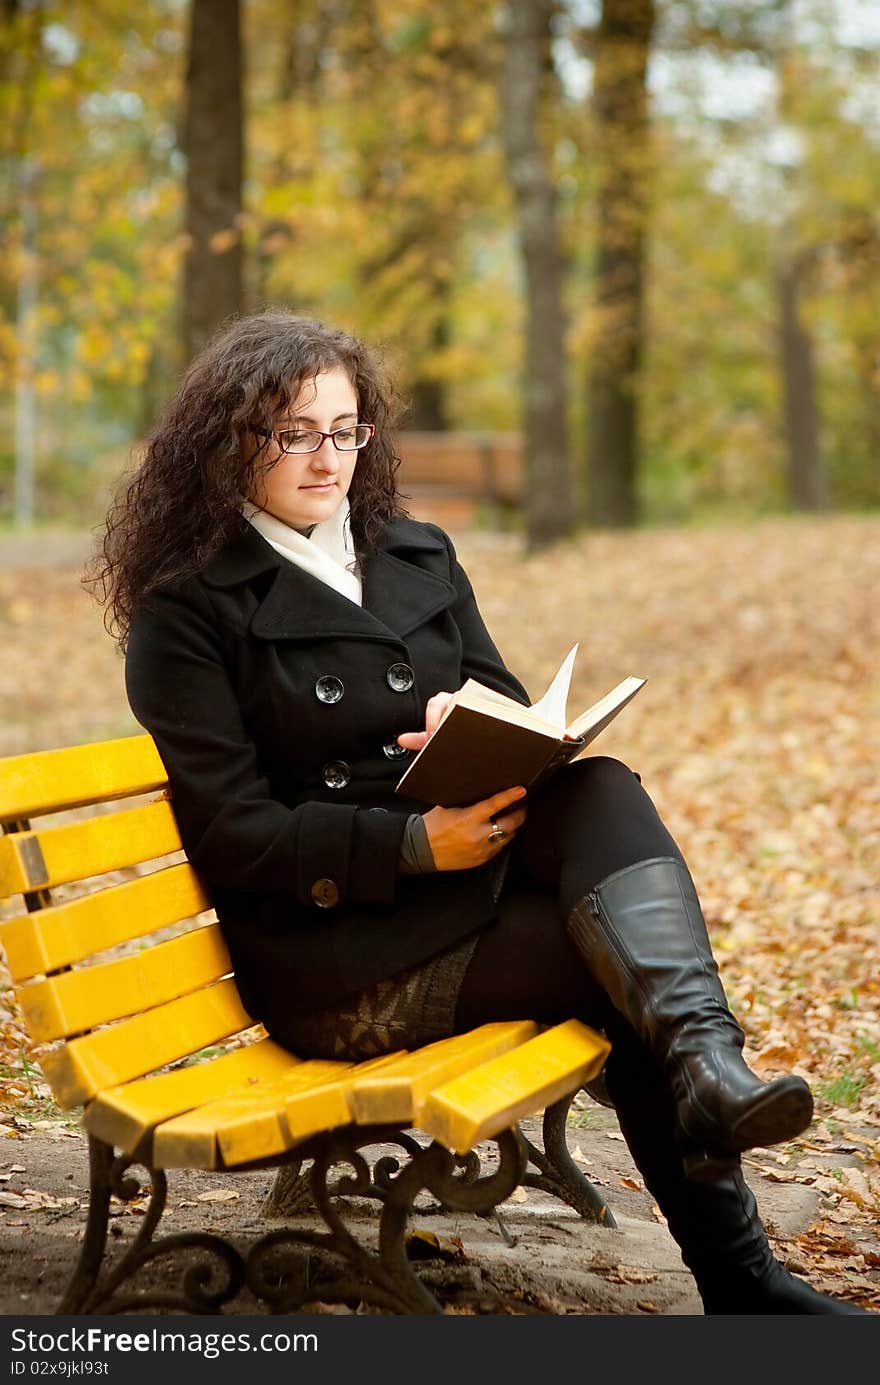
79 1069
125 1115
394 1095
257 1125
251 1124
495 1095
48 781
78 850
79 1000
63 933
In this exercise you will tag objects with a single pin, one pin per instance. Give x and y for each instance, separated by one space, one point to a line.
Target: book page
606 708
474 687
551 707
479 699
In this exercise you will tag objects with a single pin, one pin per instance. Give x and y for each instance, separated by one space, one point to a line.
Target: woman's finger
491 807
435 709
509 825
413 740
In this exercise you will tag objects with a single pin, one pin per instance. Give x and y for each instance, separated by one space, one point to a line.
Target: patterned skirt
413 1008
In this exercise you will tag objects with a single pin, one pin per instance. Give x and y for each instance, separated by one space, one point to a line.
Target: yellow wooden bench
129 1000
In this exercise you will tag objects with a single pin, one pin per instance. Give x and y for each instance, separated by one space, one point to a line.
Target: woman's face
305 488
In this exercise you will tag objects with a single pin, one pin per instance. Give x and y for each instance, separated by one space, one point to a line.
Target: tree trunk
428 412
26 426
214 141
547 480
623 43
806 480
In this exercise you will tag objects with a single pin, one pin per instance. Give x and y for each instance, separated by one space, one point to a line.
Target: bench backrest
114 951
485 465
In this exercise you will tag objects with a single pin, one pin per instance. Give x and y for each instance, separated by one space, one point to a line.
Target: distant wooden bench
462 472
128 996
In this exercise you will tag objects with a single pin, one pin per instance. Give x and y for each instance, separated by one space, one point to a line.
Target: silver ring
498 833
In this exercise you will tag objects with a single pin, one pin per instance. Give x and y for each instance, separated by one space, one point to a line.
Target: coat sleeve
480 658
233 830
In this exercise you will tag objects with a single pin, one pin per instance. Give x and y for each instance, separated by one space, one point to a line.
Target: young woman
291 637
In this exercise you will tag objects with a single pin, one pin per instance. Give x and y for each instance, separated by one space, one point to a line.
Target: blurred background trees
213 147
642 234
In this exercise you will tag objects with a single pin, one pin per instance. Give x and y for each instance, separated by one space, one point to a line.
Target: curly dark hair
182 504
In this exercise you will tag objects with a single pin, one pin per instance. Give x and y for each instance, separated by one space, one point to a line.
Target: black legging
591 819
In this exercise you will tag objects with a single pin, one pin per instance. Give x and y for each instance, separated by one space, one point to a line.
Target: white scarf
328 553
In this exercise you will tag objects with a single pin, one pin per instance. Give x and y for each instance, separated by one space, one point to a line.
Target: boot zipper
609 932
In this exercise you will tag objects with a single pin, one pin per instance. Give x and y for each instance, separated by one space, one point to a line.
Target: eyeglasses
349 439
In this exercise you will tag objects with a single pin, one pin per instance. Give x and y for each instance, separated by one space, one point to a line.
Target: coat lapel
398 594
403 595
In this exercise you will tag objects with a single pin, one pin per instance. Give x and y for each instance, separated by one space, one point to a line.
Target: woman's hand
459 837
434 710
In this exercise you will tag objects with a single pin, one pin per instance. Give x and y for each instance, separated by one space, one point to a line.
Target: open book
487 741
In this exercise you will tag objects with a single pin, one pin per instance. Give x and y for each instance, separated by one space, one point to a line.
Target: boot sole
783 1113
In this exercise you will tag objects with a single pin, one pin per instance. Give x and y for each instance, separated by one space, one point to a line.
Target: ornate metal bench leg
290 1267
95 1242
507 1237
558 1173
95 1284
343 1270
293 1266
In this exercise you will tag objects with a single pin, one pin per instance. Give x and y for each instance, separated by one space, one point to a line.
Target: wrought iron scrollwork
293 1266
292 1193
212 1276
558 1174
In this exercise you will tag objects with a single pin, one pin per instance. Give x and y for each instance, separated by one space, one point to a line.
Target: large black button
329 689
325 893
392 751
400 678
336 774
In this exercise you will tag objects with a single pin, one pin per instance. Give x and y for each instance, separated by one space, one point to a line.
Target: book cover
487 742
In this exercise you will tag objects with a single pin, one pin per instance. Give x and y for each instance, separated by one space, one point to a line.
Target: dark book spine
560 755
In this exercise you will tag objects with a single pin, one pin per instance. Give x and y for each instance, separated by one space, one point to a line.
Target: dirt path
558 1264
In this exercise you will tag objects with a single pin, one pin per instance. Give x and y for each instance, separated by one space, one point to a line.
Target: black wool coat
275 703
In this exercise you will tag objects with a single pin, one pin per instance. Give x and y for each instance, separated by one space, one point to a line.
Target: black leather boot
715 1223
643 936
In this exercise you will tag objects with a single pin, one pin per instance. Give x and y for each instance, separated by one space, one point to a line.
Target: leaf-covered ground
756 736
